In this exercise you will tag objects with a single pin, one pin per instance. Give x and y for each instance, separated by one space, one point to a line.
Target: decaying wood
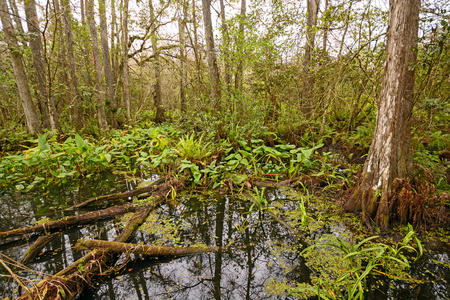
72 220
118 247
37 247
302 181
73 279
151 187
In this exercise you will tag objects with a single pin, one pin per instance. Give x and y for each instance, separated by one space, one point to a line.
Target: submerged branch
118 247
124 195
37 246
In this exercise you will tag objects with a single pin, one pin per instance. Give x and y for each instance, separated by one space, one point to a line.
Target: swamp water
260 259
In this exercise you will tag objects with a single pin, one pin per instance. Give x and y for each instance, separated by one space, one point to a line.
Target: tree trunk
154 251
83 15
49 115
110 101
308 81
19 71
17 20
101 115
78 103
211 54
226 48
239 72
159 118
125 76
197 51
389 153
181 26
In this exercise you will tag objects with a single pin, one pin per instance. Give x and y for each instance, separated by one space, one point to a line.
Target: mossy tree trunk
389 151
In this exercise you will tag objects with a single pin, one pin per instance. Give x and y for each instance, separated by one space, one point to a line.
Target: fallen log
37 247
152 187
155 251
72 220
71 281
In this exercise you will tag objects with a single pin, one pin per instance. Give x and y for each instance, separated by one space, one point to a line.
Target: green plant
190 148
260 200
358 262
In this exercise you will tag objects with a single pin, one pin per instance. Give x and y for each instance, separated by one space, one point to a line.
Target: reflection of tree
219 243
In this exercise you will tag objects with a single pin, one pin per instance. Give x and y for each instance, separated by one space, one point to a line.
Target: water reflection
257 250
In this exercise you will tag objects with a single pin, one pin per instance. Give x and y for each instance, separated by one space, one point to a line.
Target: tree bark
182 36
226 48
125 75
80 121
49 113
101 115
109 80
37 246
17 20
211 54
19 71
308 81
152 187
155 251
157 94
71 220
241 39
390 149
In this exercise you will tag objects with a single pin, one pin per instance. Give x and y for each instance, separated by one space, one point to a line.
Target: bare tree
19 71
390 149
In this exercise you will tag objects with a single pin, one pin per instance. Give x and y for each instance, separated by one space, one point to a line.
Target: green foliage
357 262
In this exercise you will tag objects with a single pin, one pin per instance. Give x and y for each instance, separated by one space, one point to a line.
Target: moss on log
118 247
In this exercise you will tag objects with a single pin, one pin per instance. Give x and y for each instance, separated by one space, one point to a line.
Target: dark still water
260 256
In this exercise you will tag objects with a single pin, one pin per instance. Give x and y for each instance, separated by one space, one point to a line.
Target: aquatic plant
357 262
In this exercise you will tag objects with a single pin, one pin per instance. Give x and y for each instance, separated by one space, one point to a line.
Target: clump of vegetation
341 269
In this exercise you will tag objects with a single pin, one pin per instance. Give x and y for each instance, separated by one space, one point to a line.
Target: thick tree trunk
19 71
308 81
49 113
101 115
155 251
110 101
125 75
157 93
211 54
389 153
80 121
